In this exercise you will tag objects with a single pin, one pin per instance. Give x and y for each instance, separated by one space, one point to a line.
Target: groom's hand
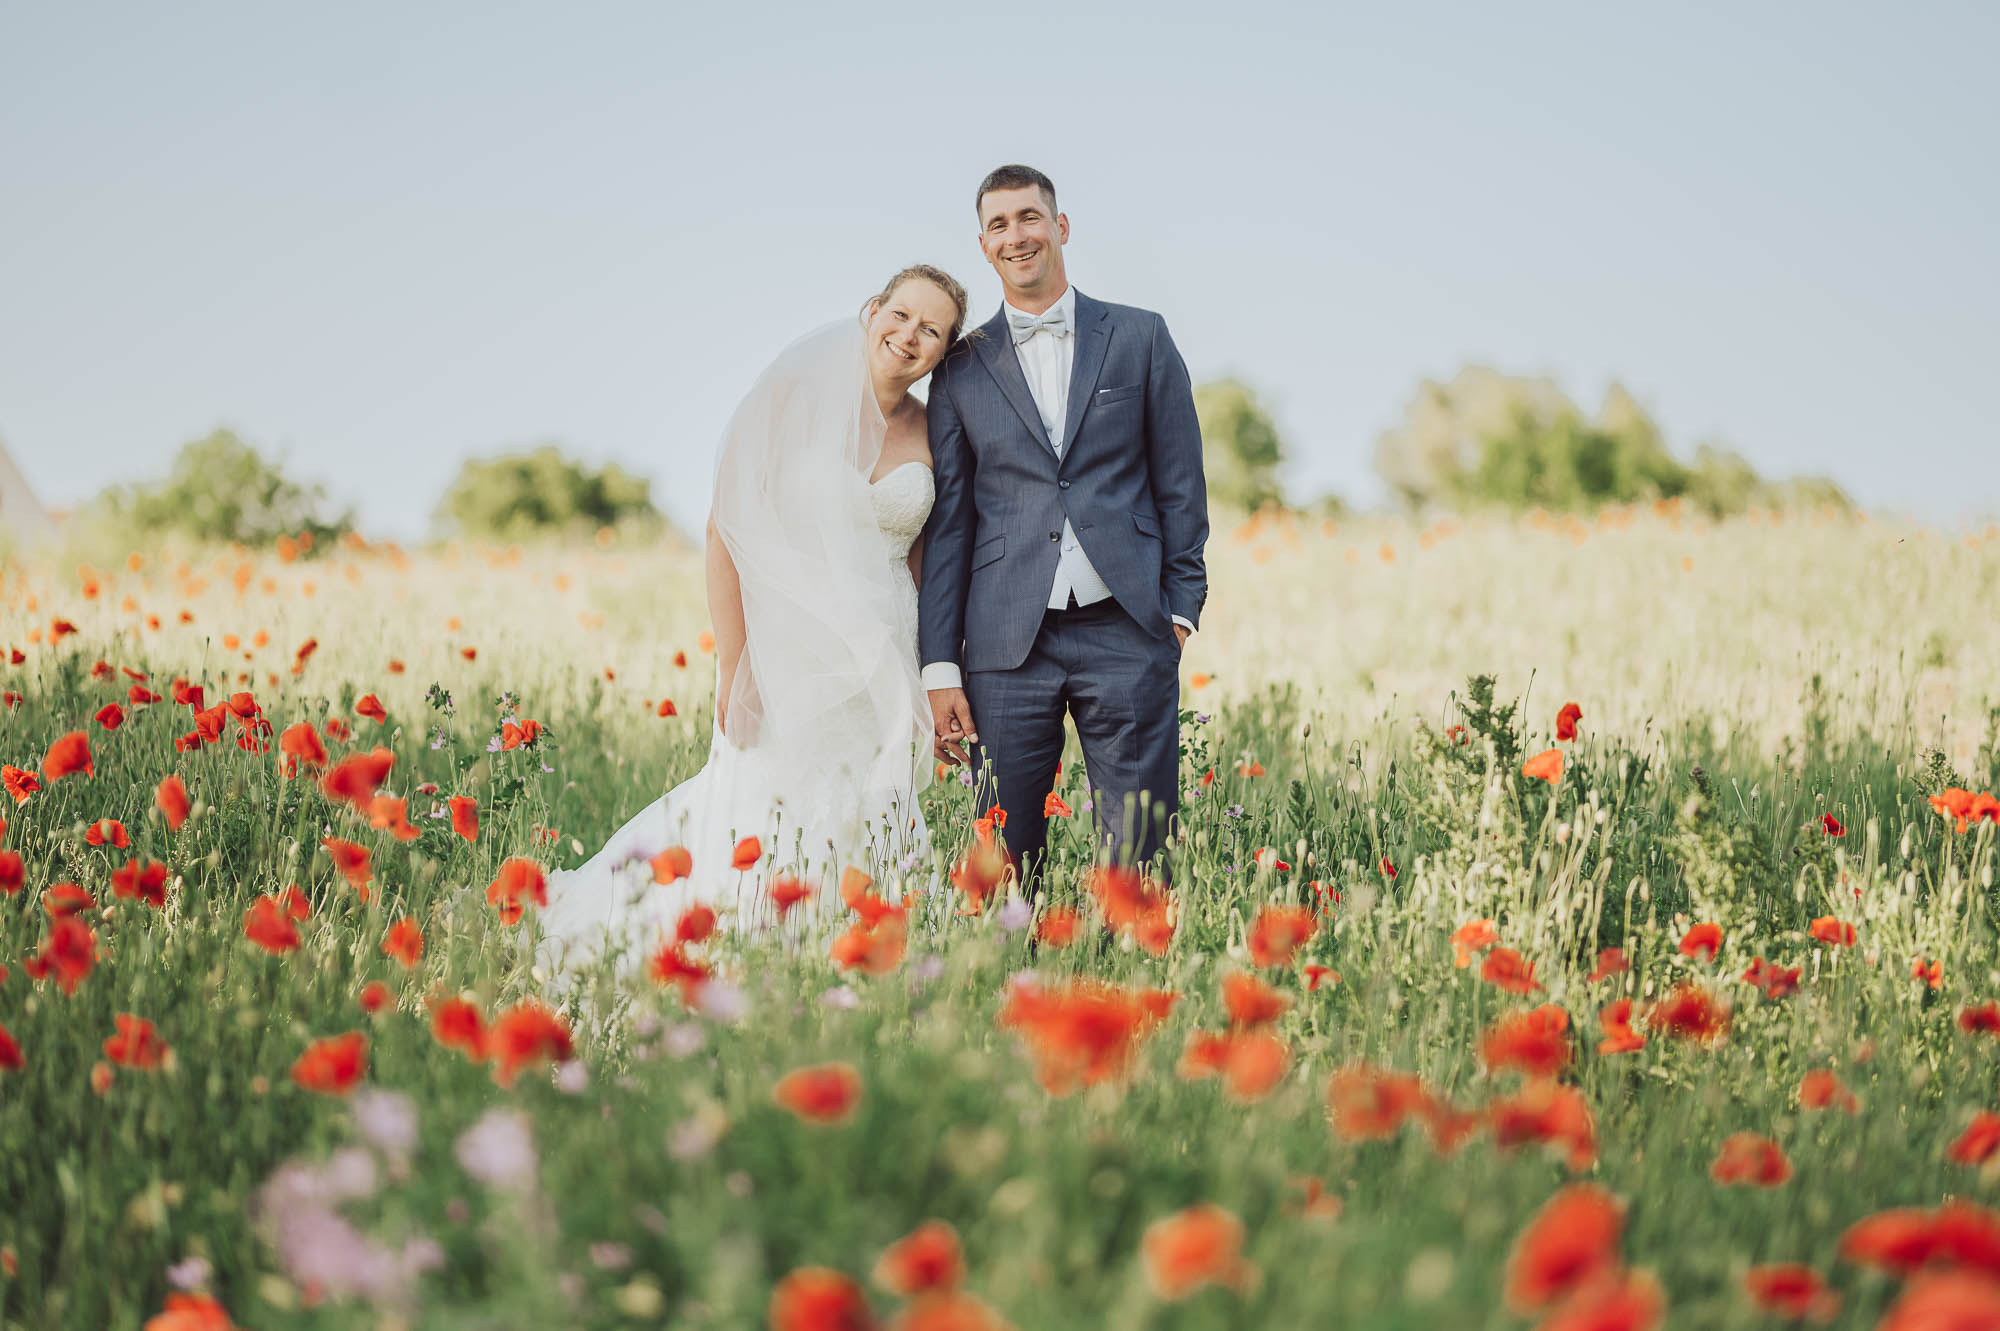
951 723
1181 632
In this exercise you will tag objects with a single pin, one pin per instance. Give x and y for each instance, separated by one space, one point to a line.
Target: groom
1063 558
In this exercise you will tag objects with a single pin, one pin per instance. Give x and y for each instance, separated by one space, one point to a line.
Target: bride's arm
725 613
916 560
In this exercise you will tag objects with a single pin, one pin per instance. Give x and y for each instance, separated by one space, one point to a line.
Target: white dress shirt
1046 360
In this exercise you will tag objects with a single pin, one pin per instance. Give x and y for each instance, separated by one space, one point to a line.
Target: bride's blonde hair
944 282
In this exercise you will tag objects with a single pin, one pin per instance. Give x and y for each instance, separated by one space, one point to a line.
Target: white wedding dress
812 820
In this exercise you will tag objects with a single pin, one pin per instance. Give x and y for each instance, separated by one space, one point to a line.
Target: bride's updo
944 282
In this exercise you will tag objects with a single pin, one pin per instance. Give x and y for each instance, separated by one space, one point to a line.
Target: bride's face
907 331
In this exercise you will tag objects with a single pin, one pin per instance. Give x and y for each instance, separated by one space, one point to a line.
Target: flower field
1575 925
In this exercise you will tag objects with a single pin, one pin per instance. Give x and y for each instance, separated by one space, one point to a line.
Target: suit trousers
1121 686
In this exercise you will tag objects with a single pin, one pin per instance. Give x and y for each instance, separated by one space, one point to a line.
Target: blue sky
379 239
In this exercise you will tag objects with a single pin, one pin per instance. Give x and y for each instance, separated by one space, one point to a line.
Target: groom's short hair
1015 176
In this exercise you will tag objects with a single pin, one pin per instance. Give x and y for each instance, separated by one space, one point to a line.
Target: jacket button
1062 485
1055 536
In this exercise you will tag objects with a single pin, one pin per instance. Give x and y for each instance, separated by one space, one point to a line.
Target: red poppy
19 783
1192 1249
301 747
1054 807
670 864
1931 973
1792 1290
333 1066
1750 1158
388 812
11 1057
979 873
519 882
748 851
456 1023
1506 969
1388 869
67 899
108 832
1570 1241
1566 720
1619 1037
1081 1032
815 1298
1134 904
464 816
1822 1089
1365 1103
1689 1012
1702 942
404 943
110 716
137 1043
268 926
1250 1002
375 996
172 799
927 1260
1535 1041
787 892
13 873
1946 1301
354 779
1544 766
1832 825
672 965
525 1033
1278 932
1619 1300
1551 1114
1610 961
1316 975
1976 1145
667 708
824 1093
191 1312
873 946
141 696
295 903
1471 937
1981 1020
352 862
695 925
515 735
143 880
68 953
1827 929
371 707
68 755
1902 1239
1058 926
1776 981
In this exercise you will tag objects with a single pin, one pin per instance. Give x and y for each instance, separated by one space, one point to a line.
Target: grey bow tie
1024 326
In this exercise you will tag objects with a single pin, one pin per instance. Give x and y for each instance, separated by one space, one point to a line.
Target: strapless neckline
898 467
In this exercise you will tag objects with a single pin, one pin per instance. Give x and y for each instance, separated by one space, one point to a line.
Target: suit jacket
1129 480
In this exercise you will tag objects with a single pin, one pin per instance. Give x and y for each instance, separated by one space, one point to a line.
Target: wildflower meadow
1572 924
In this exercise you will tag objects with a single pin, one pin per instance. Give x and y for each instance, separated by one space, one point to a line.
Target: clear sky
378 239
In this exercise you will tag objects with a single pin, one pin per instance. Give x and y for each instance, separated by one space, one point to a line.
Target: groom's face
1022 238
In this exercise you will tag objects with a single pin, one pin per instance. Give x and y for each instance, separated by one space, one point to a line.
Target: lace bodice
902 502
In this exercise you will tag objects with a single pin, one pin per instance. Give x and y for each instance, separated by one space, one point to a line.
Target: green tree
1240 445
522 496
219 488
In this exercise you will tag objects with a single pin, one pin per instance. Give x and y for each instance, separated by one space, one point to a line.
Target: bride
822 733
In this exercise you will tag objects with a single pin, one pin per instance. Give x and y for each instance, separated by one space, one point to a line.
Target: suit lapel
1093 335
996 350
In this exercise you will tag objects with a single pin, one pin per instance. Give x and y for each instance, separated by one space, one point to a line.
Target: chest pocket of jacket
1107 396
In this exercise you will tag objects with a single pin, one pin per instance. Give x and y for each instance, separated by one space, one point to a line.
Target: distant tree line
1482 440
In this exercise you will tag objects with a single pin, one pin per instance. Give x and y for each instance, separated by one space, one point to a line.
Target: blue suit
1129 480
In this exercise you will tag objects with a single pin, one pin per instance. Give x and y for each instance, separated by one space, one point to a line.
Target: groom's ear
1062 227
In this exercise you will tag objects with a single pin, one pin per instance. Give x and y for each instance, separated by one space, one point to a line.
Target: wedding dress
827 739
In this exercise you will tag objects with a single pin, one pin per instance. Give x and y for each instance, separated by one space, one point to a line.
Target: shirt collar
1065 302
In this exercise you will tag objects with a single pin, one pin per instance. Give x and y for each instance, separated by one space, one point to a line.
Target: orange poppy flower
456 1023
815 1298
1566 720
1618 1300
67 899
142 880
927 1260
268 925
1053 807
386 811
13 873
1506 969
107 832
1058 926
68 953
1278 933
191 1312
1610 961
1535 1042
352 862
525 1033
695 925
1750 1158
1365 1103
667 707
671 964
404 943
948 1310
1702 942
11 1058
788 891
68 755
1821 1089
1192 1249
1827 929
1544 766
1471 937
371 707
1776 981
1946 1301
874 947
1134 904
672 863
354 779
1791 1289
519 883
375 996
1551 1114
1931 973
300 746
333 1066
1081 1032
110 716
823 1093
1250 1002
137 1043
979 873
516 734
1689 1012
1619 1037
19 783
748 851
464 816
1569 1242
1316 975
1976 1145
